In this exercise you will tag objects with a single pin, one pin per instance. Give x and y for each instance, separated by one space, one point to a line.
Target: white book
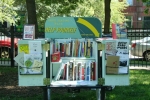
67 72
59 73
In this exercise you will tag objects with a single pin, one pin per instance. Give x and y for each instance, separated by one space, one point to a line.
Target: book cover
88 48
88 72
67 71
71 71
64 72
94 71
73 47
85 48
59 73
79 51
82 72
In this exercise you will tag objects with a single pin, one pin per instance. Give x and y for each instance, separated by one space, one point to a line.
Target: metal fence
139 46
8 44
9 38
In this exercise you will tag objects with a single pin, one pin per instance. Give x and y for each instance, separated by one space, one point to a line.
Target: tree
32 19
147 2
6 12
82 8
95 8
107 16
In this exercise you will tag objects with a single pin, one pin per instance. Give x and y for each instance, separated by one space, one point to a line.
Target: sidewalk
136 67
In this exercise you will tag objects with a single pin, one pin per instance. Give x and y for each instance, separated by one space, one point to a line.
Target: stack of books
76 71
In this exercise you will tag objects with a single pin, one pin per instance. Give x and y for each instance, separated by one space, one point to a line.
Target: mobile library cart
75 57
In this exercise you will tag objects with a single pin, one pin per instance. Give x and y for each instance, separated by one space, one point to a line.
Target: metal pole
12 46
48 94
48 75
103 93
98 94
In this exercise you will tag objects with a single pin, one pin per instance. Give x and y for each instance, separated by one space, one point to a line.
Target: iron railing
9 38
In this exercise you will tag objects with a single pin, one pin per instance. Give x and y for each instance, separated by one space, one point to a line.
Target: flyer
29 32
35 47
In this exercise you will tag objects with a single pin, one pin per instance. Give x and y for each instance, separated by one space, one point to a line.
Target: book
65 71
59 73
73 47
88 48
71 71
88 72
82 72
82 51
79 51
94 71
85 48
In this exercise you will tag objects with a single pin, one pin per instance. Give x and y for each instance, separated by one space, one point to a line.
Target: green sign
73 27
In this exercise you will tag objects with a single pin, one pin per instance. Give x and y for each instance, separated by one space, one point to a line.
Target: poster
110 48
117 48
20 59
35 46
29 32
29 58
32 64
23 48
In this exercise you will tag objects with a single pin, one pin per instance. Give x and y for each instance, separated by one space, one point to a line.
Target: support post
103 93
98 94
12 46
48 74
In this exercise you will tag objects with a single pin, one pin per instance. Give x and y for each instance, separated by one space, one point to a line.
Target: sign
73 27
29 32
23 48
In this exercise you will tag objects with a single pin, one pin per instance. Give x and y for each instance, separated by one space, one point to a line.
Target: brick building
135 14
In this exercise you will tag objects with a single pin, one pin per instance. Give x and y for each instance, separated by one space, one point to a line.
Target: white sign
35 47
29 32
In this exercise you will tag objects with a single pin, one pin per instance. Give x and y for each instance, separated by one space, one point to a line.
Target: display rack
74 57
76 64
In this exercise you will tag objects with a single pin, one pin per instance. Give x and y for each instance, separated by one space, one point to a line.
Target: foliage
77 8
6 12
147 2
95 8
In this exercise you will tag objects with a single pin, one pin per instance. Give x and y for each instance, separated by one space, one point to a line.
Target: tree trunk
32 19
107 16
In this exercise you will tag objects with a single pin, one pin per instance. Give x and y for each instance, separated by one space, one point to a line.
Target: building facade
136 16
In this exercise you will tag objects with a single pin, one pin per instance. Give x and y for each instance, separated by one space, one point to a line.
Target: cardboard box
112 65
112 70
113 61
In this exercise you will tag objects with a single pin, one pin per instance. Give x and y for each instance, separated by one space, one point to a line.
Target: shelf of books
73 62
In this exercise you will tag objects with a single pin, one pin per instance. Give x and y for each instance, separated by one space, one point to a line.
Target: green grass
137 90
140 61
7 70
5 59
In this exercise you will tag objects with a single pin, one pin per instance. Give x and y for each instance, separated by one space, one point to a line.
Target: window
130 2
129 21
146 22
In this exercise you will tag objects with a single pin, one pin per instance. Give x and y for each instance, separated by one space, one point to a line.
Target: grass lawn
137 90
139 62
